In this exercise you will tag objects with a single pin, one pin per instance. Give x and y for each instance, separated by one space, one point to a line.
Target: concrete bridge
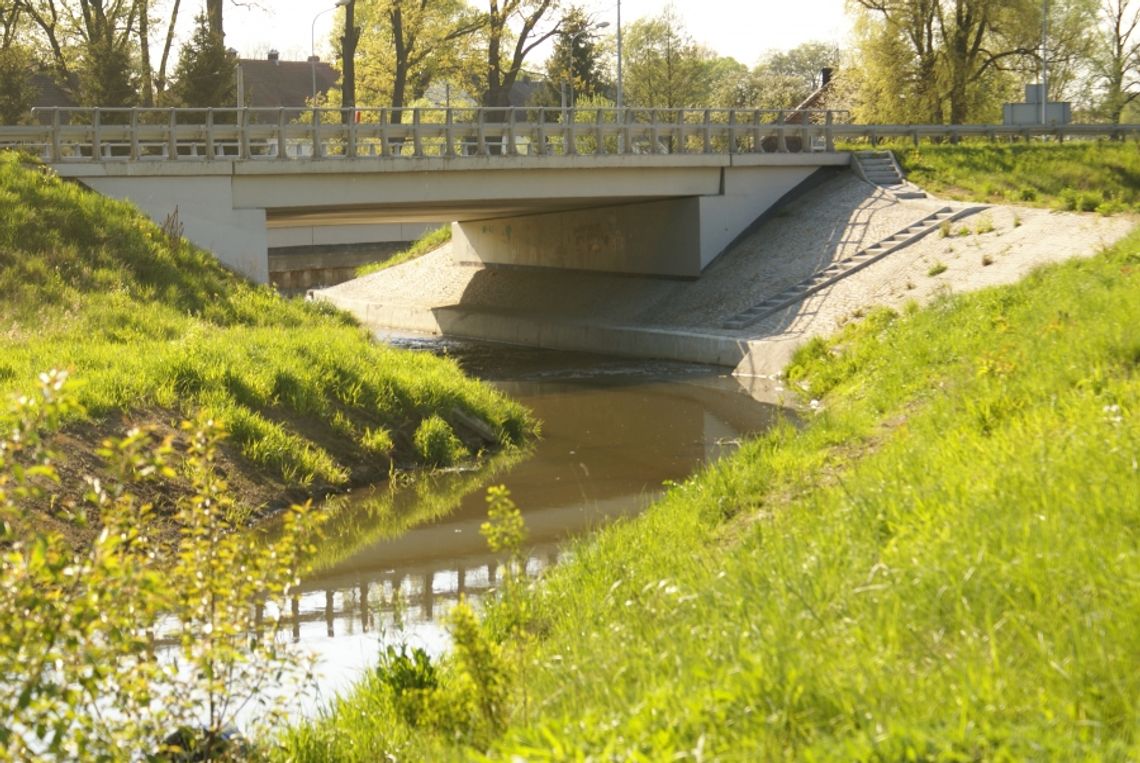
659 192
639 191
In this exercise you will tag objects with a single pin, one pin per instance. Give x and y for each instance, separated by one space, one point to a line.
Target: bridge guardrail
96 134
105 134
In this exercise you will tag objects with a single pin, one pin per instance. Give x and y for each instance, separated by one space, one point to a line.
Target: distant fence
99 135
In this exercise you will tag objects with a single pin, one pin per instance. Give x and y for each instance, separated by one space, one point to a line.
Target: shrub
90 645
1088 201
436 443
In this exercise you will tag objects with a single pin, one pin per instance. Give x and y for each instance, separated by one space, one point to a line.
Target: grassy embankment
1083 176
154 329
428 242
944 563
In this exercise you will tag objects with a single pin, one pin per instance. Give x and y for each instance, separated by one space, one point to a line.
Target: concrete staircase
841 268
880 168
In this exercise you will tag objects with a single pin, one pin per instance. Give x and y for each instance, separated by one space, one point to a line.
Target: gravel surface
996 246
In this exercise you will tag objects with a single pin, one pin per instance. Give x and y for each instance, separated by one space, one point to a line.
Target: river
614 432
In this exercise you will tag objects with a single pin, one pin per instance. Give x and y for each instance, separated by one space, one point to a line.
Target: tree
205 73
1116 64
957 60
511 31
405 44
781 80
92 44
664 67
575 63
17 91
9 25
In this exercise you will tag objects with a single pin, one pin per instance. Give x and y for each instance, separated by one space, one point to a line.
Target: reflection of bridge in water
375 602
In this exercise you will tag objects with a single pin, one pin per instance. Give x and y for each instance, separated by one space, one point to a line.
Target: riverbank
153 331
942 563
685 320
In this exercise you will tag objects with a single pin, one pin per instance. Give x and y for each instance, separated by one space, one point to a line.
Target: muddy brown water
614 433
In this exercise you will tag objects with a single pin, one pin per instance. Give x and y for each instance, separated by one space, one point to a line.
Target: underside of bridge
639 215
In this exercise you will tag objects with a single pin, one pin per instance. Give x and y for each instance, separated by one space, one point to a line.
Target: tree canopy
920 61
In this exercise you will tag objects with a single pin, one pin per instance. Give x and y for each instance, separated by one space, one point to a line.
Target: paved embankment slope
685 320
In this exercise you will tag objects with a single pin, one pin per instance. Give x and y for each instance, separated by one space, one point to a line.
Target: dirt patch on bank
65 508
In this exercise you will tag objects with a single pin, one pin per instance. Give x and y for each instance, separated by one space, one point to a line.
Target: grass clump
428 242
940 564
1102 176
436 443
157 330
936 269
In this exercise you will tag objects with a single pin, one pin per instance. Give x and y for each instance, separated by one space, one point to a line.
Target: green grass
944 563
157 329
1098 176
428 242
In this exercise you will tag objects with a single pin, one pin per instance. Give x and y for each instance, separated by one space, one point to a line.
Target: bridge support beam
676 237
205 208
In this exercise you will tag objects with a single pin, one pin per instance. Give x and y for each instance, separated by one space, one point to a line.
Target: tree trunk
160 80
214 18
348 77
147 83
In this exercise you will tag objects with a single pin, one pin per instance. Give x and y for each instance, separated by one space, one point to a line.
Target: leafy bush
80 635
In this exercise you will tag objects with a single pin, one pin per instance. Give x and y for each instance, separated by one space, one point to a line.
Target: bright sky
743 29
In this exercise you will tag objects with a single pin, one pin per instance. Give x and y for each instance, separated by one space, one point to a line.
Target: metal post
1044 58
313 42
619 93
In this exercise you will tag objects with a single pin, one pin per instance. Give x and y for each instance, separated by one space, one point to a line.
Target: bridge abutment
676 237
204 207
649 238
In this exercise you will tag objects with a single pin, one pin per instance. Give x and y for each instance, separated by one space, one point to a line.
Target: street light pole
313 43
619 57
1044 59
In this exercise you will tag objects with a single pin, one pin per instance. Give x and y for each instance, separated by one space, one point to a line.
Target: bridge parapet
69 135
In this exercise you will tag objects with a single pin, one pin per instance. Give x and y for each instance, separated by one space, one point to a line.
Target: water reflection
612 433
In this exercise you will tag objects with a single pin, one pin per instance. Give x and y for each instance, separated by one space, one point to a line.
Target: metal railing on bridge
108 134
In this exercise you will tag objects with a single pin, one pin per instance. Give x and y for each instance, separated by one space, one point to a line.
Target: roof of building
48 91
273 83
